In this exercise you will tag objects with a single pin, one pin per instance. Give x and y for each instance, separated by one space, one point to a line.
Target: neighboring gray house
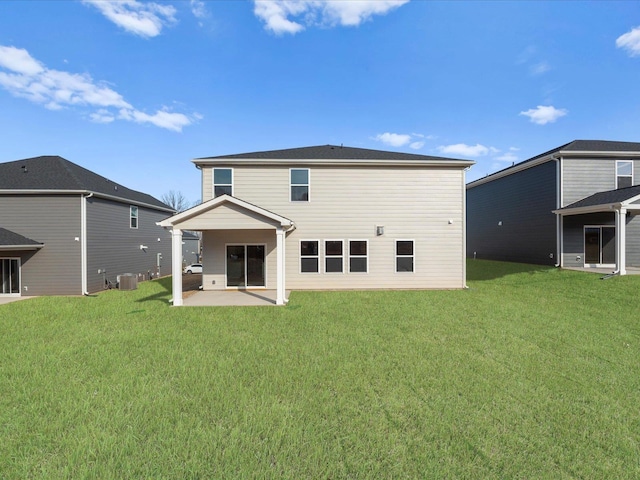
327 217
190 248
65 230
573 206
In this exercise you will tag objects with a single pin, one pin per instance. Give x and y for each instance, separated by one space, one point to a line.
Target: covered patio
240 242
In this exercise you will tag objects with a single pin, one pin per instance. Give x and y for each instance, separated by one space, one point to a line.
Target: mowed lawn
532 372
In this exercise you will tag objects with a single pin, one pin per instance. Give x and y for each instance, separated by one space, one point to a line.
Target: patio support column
176 266
621 241
280 266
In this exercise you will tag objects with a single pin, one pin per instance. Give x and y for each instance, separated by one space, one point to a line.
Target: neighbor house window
358 259
333 256
133 217
222 182
404 256
299 184
309 256
624 173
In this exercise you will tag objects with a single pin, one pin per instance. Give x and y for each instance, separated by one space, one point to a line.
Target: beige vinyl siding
227 217
349 202
55 221
584 177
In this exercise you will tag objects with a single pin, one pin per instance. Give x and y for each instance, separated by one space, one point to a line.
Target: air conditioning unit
128 281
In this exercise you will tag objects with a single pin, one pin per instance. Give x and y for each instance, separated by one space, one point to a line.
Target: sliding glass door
9 276
245 266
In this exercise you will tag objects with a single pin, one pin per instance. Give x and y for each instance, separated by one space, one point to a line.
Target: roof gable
333 153
57 173
619 196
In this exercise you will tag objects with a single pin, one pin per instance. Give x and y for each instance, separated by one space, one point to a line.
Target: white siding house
329 217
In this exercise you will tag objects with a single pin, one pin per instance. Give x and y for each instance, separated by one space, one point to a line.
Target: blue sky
134 90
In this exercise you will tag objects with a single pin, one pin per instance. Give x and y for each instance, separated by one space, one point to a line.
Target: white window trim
404 256
324 263
308 185
214 184
131 217
357 256
300 256
625 176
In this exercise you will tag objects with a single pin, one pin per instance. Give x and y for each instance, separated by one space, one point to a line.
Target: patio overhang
11 241
619 202
227 213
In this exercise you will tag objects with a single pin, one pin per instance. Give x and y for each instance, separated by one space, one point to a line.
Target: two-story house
327 217
65 230
573 206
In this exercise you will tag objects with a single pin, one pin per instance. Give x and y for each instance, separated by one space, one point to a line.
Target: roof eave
333 163
21 247
84 192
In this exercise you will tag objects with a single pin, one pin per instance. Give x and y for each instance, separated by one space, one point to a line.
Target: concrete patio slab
232 298
8 299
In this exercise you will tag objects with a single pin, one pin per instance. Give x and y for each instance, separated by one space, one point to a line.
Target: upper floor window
624 173
299 178
133 217
222 182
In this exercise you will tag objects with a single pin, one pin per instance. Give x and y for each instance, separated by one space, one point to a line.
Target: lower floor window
333 256
309 256
358 256
404 256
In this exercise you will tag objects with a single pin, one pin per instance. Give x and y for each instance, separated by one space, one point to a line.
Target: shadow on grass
163 296
481 270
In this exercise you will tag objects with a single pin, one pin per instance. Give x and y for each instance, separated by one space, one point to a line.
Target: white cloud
465 150
416 145
539 68
630 41
199 9
143 19
56 89
508 157
393 139
283 16
541 115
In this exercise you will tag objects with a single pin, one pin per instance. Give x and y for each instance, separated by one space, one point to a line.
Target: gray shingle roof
575 146
57 173
9 238
328 152
606 198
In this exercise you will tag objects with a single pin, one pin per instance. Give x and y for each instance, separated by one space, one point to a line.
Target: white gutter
21 247
559 219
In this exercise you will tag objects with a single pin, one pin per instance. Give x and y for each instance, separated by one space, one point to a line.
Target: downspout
83 242
464 228
559 218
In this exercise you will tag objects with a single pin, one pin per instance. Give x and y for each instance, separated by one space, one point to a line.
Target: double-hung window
222 182
299 184
358 256
133 217
333 256
404 256
624 173
309 256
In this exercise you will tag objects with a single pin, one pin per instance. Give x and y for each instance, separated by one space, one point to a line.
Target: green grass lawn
532 372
